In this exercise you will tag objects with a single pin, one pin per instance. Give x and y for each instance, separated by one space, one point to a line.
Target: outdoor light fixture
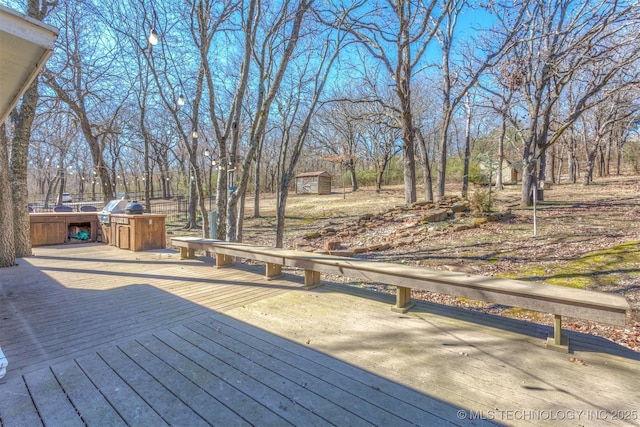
206 152
153 38
194 134
180 100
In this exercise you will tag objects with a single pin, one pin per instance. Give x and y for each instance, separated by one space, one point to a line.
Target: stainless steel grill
116 206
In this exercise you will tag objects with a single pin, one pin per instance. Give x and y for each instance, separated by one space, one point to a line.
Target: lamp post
211 164
231 169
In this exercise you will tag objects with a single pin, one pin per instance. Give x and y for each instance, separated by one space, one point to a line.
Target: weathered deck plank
16 406
252 411
50 400
46 322
124 338
88 401
399 400
173 410
281 404
354 394
200 402
130 406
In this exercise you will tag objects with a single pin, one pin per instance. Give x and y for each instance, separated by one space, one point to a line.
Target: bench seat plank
560 301
598 306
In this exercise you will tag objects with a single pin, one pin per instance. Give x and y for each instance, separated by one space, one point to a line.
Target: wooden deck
99 336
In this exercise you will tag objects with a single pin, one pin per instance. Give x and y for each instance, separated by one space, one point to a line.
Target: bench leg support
311 279
558 341
273 271
223 260
403 300
557 329
187 253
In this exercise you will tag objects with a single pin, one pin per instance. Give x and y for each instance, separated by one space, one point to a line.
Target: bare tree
381 142
339 134
397 34
15 227
313 71
82 77
564 42
599 127
7 239
458 80
285 31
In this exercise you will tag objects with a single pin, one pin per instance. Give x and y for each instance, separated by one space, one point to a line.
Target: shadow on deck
98 336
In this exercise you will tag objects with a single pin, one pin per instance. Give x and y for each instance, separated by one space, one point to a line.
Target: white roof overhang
25 45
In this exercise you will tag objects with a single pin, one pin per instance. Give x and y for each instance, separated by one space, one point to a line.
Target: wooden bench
560 301
225 251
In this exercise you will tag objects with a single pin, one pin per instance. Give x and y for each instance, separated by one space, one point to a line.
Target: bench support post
273 271
223 260
403 300
557 329
311 279
558 342
187 253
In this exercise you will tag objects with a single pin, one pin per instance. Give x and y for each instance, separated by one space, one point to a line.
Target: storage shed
313 183
510 173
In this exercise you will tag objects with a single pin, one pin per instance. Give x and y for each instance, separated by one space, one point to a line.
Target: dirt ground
586 236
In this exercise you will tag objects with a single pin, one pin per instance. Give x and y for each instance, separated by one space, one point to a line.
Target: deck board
87 399
133 409
360 383
16 405
196 347
353 394
104 301
173 410
99 336
202 403
51 400
253 412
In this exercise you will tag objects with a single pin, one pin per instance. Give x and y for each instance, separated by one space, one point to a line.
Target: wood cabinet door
122 237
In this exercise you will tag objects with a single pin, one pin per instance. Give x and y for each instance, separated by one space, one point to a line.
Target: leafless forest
232 99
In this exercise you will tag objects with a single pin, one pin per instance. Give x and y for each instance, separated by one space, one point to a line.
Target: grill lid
115 206
134 208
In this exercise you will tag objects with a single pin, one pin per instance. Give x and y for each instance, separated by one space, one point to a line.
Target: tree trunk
147 177
528 185
7 240
256 196
551 165
528 176
240 218
542 170
503 133
467 150
442 163
191 208
19 155
589 168
221 201
426 168
409 156
354 178
280 210
379 176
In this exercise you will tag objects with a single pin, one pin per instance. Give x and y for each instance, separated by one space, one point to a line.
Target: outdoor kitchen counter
138 232
55 228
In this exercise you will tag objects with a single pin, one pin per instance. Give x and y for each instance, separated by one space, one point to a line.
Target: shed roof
309 174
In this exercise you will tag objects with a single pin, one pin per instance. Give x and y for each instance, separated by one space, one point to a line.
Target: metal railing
175 210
